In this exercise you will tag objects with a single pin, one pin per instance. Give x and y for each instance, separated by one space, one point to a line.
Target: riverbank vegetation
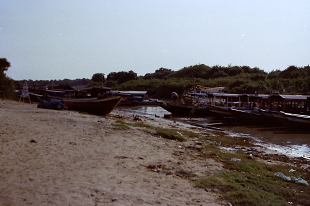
6 83
253 182
160 84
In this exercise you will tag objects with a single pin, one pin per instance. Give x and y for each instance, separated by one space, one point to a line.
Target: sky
70 39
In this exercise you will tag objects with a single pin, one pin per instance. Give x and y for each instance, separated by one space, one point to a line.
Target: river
293 143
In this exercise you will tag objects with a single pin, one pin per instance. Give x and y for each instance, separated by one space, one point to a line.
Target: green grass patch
165 133
141 124
120 124
189 133
233 141
170 134
146 131
252 182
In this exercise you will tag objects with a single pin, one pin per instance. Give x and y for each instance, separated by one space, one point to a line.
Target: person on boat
101 95
174 96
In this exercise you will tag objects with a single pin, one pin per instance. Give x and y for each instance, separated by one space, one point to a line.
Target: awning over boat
296 98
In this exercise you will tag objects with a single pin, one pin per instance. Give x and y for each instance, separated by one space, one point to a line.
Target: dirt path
51 157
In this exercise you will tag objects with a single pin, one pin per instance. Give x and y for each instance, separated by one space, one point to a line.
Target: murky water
294 143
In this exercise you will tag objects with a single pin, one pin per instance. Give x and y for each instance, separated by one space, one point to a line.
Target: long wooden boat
274 117
220 111
92 105
297 120
266 113
249 116
184 109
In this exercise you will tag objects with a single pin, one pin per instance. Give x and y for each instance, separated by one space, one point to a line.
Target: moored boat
184 110
249 116
220 111
93 105
297 120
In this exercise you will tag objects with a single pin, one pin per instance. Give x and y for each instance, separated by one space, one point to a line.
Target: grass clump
119 124
234 141
141 124
252 182
189 133
165 133
170 134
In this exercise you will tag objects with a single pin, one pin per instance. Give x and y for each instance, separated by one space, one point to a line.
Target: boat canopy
295 98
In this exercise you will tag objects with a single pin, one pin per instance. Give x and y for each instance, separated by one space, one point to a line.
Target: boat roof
224 95
277 96
133 93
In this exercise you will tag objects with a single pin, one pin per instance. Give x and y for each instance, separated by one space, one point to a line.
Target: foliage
170 134
160 73
122 77
121 125
98 77
4 64
235 79
6 83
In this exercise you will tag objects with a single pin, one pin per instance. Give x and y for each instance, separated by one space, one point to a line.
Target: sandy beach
52 157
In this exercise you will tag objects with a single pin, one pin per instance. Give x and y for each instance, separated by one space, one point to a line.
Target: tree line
160 84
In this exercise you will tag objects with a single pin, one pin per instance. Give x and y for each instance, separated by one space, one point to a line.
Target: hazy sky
58 39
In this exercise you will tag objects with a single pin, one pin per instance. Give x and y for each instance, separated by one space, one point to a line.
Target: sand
52 157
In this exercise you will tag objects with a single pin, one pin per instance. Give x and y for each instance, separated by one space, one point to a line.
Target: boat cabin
289 103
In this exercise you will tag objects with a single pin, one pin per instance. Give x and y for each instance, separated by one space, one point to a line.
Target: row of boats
98 100
291 110
288 110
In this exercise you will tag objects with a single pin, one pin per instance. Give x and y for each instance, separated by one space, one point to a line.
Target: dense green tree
219 74
98 77
122 77
273 74
196 71
4 65
292 72
6 83
234 71
235 79
160 73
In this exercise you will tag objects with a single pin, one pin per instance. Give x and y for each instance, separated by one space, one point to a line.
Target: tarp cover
52 104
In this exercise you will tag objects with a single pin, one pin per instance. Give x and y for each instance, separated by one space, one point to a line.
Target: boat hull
297 120
249 116
184 110
220 111
96 106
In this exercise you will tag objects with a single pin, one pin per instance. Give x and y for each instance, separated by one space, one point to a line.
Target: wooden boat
274 117
220 111
184 109
130 98
297 120
249 116
93 105
296 104
266 112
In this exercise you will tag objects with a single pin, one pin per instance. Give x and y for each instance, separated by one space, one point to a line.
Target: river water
293 143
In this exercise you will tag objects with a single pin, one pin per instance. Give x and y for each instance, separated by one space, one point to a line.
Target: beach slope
61 157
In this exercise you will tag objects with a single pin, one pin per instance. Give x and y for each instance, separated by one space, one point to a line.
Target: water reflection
281 139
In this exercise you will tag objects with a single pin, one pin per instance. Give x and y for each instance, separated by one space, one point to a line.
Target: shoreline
67 157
